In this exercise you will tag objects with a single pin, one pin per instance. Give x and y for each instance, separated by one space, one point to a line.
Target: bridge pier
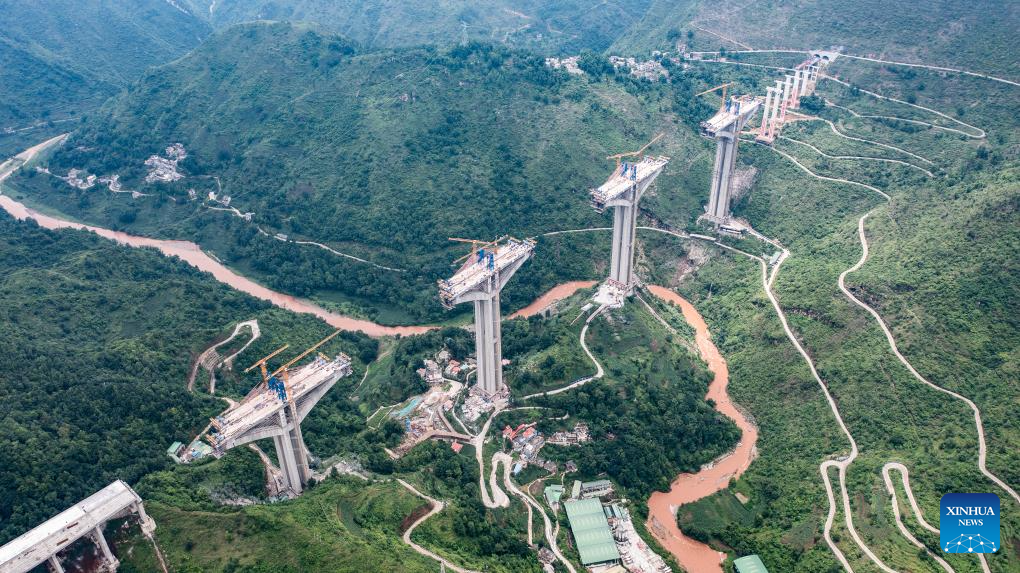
623 192
291 454
54 565
621 268
488 342
111 562
719 197
480 281
725 127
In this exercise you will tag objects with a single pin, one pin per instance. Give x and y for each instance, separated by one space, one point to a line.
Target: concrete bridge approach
86 518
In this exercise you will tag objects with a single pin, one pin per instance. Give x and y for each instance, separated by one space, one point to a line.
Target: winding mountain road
905 476
982 446
599 372
437 506
842 465
856 157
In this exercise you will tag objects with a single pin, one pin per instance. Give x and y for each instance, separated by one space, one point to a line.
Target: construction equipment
619 156
479 280
283 370
270 382
723 87
281 387
475 246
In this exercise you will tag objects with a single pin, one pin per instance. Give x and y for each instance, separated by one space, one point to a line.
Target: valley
807 337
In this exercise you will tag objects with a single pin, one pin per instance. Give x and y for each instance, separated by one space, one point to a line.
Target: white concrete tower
765 129
276 410
480 280
725 128
623 191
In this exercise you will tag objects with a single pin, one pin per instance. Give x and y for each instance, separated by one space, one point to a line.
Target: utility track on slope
889 487
599 371
857 157
854 113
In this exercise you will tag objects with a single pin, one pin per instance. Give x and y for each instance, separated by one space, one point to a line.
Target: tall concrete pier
725 128
480 280
623 191
276 410
86 518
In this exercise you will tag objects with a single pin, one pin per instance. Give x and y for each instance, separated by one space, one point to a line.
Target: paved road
550 531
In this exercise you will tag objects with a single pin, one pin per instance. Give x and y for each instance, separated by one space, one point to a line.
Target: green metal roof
553 493
750 564
591 531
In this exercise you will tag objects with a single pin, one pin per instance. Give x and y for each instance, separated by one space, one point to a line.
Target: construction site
602 529
453 408
728 124
622 192
484 273
276 407
47 542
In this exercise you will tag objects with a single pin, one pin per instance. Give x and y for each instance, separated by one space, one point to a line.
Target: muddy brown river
693 555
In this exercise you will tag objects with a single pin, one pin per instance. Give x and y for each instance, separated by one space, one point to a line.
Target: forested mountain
60 59
97 340
978 33
382 155
554 27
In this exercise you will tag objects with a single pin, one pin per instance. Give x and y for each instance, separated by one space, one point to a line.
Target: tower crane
281 387
723 88
619 156
478 249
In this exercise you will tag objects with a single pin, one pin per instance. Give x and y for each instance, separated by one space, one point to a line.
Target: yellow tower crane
475 245
619 156
723 88
282 371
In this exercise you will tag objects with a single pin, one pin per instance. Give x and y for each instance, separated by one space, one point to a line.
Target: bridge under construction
735 113
725 127
275 409
480 279
623 191
86 518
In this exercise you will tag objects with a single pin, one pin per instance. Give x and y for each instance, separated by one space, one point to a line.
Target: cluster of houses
443 367
650 70
165 168
574 437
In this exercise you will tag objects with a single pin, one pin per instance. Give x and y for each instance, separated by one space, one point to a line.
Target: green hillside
60 59
978 34
98 340
942 273
564 26
381 155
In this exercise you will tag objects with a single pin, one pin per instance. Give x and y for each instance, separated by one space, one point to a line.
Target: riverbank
686 488
553 295
192 254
